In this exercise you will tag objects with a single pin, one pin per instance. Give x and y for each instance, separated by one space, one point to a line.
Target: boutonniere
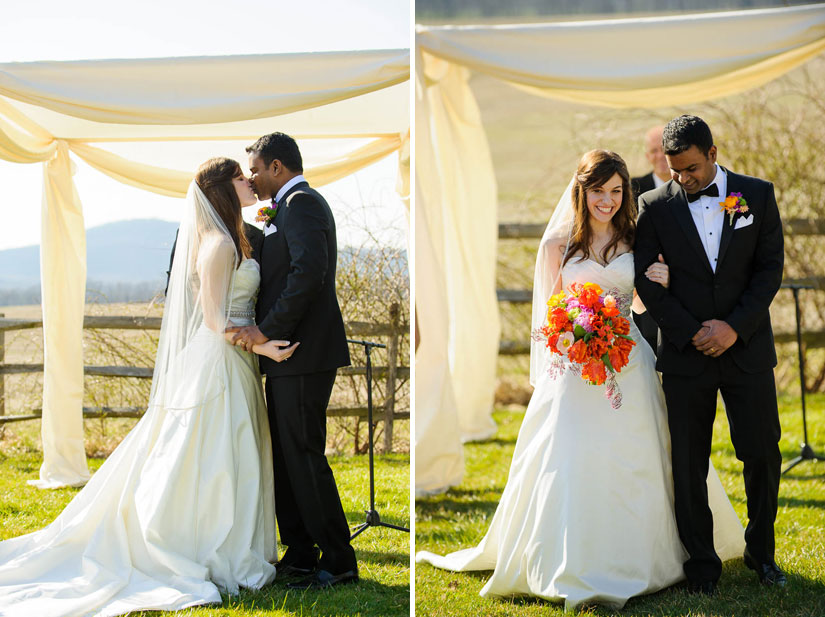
267 215
734 203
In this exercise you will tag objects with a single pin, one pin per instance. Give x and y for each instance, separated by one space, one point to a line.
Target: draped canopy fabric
51 109
640 62
201 90
635 62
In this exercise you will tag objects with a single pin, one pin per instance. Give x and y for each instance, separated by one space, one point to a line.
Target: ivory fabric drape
63 291
49 109
461 235
619 63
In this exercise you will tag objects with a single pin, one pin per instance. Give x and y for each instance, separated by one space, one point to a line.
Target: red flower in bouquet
558 320
578 352
594 371
587 328
590 296
597 347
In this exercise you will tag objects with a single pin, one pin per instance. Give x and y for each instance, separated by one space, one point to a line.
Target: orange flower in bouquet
586 328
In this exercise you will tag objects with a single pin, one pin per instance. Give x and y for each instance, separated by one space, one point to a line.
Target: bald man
656 157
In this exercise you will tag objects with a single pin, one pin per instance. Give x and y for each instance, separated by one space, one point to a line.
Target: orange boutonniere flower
266 214
734 203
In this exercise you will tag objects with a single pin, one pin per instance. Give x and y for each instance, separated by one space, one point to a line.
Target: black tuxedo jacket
297 300
253 234
748 275
642 184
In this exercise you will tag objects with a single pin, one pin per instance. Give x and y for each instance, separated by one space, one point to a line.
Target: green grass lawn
459 519
383 554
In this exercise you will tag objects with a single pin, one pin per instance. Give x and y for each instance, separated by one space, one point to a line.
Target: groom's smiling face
692 169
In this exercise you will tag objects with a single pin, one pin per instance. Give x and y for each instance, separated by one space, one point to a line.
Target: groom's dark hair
685 131
278 146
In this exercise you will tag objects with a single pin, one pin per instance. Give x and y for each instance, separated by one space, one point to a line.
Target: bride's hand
658 272
277 350
229 335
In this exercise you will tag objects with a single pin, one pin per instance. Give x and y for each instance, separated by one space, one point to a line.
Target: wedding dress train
181 510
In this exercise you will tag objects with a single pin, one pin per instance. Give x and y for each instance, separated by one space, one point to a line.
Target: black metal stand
373 518
807 453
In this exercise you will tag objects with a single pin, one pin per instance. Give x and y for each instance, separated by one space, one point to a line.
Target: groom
716 337
297 303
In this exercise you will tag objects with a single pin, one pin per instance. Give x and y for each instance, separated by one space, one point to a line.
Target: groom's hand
247 337
714 338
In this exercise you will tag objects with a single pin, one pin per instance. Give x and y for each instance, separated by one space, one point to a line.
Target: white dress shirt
289 184
709 217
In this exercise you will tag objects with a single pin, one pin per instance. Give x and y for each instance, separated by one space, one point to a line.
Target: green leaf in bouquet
606 360
579 332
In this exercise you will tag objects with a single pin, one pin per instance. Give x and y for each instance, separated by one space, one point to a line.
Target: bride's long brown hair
595 168
214 177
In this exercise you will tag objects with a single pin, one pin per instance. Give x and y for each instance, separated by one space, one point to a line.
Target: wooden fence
382 411
521 231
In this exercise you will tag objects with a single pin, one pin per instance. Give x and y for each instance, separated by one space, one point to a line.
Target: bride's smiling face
244 189
603 202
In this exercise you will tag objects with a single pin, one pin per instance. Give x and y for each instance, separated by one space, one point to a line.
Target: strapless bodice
244 292
616 278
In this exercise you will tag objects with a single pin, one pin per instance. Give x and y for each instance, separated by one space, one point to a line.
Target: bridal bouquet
587 328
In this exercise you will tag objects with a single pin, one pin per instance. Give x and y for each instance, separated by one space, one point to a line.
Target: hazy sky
93 29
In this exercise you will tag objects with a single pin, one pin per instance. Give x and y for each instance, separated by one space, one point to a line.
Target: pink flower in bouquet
585 320
564 342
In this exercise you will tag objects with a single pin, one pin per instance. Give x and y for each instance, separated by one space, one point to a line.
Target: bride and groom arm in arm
707 277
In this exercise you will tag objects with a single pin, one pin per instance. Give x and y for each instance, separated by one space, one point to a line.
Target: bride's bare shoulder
553 248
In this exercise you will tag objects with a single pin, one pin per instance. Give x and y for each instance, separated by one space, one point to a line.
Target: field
383 554
459 519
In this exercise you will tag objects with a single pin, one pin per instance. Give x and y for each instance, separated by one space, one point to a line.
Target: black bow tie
711 191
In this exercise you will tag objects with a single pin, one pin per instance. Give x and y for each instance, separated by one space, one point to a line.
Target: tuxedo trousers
751 408
307 505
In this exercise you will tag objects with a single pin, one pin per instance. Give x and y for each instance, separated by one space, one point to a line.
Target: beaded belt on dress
250 314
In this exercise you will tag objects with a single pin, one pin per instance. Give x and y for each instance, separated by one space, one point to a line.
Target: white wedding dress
587 513
182 509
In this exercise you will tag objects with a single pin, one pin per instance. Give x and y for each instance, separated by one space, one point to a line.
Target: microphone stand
807 453
373 518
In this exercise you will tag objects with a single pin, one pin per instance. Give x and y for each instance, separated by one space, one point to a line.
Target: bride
587 513
184 507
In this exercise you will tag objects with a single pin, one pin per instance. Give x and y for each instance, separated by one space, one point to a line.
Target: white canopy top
207 90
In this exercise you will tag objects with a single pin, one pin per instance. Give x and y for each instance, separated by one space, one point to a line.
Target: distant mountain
126 261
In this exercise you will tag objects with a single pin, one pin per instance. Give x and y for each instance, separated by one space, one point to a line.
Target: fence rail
796 227
800 227
385 412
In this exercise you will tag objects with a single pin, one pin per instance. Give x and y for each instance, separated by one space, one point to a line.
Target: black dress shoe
323 580
287 570
706 588
769 573
300 567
